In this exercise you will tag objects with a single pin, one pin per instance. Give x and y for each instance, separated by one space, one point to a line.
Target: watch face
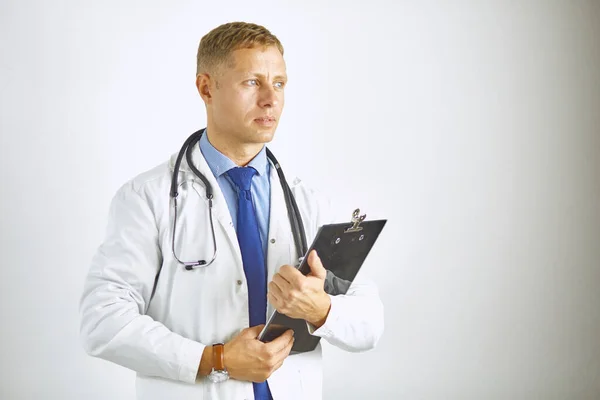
218 376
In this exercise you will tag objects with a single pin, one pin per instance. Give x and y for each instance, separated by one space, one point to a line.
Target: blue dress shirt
219 164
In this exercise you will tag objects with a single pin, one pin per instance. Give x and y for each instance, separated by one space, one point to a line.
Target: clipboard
342 249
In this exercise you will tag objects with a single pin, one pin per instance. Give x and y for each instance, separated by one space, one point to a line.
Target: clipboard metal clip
356 220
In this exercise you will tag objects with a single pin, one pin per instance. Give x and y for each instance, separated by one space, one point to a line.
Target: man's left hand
299 296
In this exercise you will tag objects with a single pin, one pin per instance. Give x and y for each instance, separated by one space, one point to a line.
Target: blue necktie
252 257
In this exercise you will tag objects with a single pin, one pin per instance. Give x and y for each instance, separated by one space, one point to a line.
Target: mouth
265 119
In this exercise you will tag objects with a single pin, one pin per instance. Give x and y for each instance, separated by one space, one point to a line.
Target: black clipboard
342 249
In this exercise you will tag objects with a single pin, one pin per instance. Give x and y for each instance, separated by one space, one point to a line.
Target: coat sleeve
116 293
356 319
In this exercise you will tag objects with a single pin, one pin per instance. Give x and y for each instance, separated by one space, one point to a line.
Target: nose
269 97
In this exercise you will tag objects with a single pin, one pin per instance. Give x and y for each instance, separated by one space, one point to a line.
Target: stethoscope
292 208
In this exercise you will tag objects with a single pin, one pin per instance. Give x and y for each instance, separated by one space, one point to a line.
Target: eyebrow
261 76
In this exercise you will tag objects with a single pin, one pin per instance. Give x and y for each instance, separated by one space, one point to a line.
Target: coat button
273 240
239 282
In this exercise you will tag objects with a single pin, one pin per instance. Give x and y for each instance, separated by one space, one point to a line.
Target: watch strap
219 356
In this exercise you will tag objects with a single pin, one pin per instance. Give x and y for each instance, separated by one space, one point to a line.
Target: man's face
247 97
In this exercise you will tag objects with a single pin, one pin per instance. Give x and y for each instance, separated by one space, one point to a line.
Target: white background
474 127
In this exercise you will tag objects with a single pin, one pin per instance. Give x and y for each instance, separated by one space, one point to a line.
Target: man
143 310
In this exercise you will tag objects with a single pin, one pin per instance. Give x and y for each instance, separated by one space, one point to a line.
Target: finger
316 266
281 342
282 283
276 302
278 365
253 331
291 274
275 290
285 351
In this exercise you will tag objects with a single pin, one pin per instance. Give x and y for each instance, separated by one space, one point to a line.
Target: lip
265 121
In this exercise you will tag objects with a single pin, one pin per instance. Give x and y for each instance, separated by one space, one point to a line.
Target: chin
263 135
268 137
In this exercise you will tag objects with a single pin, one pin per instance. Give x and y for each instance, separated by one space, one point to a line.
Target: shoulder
157 175
313 203
151 185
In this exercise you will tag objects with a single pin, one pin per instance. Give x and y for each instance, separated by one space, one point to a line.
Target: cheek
230 99
241 102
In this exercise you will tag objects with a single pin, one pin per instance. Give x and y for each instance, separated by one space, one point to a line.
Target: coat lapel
280 252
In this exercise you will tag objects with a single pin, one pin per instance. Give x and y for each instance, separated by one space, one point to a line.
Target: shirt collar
219 163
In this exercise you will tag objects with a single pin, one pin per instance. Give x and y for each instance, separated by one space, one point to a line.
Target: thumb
252 332
316 267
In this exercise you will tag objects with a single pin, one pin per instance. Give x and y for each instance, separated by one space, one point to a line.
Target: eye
279 85
252 82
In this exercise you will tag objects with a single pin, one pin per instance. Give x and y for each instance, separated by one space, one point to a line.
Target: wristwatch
218 373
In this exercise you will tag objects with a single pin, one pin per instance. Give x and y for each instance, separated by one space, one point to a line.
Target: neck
240 153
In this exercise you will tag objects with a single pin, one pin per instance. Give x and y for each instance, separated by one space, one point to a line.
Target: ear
203 84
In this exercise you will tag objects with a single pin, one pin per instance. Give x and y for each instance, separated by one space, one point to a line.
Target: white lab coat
162 338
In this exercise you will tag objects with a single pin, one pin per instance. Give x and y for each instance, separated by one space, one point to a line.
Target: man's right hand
249 359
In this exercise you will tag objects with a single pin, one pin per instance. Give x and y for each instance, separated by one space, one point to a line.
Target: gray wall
472 126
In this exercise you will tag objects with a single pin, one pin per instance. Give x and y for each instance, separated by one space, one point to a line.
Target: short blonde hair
217 45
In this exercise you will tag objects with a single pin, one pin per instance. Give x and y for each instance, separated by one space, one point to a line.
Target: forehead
266 60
